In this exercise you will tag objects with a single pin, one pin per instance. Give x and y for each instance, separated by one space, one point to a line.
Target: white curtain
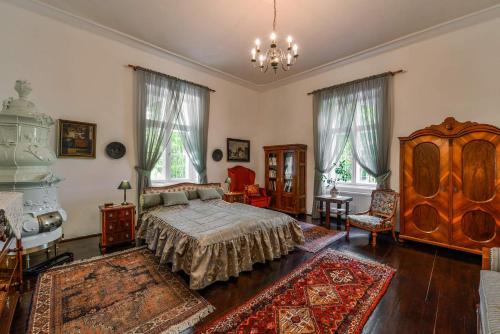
193 126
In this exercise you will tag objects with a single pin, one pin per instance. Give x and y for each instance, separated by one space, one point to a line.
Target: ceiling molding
89 25
92 26
442 28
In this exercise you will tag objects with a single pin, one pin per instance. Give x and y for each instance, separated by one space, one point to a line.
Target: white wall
81 76
454 74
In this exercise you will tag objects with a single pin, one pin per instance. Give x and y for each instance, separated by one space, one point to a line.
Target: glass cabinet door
288 172
272 173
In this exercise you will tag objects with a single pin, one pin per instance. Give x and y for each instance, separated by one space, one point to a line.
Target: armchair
243 180
380 217
489 292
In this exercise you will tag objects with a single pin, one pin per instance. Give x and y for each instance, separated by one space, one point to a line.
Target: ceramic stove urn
25 166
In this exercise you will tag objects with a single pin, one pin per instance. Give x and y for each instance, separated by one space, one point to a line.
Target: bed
214 240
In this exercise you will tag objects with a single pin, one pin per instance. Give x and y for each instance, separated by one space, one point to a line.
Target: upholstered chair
380 217
243 180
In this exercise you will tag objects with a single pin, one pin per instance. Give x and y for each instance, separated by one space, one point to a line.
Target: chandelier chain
274 19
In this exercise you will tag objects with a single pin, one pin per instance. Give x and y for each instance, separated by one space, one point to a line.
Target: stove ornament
26 158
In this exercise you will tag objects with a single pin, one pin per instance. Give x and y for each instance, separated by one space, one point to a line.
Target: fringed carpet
331 293
317 237
125 292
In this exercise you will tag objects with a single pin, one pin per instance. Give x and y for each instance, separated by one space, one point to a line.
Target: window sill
361 189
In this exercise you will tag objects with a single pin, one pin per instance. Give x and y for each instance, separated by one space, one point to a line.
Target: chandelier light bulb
295 50
257 42
289 39
273 36
253 54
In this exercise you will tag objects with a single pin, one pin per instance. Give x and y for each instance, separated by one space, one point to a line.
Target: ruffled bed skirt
219 261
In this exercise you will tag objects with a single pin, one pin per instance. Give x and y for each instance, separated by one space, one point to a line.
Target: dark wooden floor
434 289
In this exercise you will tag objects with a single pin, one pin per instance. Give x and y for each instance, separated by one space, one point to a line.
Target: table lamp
124 185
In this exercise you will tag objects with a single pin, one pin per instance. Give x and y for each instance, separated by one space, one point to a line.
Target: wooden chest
117 225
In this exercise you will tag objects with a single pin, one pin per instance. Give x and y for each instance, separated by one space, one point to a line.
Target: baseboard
82 237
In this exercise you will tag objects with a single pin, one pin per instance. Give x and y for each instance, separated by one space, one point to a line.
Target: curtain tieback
143 172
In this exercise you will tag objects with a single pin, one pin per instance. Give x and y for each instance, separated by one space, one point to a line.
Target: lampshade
125 185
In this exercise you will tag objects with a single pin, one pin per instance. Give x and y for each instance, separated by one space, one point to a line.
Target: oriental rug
125 292
331 293
317 237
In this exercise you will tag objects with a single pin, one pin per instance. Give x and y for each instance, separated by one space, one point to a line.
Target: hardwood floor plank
434 290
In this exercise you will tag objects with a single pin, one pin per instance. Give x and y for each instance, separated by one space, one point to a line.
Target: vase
334 192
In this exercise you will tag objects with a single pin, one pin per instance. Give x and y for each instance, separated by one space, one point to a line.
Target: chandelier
274 57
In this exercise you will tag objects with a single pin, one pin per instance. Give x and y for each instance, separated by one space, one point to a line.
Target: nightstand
117 225
234 196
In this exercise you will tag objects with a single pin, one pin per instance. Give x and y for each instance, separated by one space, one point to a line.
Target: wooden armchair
380 217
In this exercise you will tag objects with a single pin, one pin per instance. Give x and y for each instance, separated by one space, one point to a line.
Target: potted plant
342 173
330 182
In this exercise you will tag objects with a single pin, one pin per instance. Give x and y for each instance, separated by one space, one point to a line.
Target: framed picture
76 139
238 150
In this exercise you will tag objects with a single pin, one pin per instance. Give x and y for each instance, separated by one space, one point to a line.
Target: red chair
241 179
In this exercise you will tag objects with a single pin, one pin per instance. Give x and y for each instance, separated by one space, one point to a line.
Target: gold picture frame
76 139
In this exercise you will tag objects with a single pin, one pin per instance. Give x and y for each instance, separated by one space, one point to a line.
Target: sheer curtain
159 101
333 113
372 128
193 126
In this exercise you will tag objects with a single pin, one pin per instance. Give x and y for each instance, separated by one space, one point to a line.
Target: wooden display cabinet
285 178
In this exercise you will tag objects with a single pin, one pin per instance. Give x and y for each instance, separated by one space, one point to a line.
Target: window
174 165
349 172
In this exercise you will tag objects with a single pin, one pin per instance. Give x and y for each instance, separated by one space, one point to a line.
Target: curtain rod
357 80
168 76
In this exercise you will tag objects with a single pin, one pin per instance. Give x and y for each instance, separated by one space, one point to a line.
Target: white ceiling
220 33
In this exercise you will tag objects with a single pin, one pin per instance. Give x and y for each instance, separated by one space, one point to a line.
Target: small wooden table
339 200
234 196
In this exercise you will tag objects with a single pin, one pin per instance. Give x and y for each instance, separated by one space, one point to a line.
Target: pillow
220 191
174 198
253 190
192 194
151 200
208 193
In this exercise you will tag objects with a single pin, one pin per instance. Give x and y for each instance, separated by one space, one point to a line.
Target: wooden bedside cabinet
117 225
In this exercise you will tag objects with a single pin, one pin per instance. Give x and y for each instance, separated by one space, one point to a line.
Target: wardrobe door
426 189
476 190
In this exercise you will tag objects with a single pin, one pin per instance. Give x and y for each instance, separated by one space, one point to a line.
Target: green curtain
372 128
333 113
193 126
159 101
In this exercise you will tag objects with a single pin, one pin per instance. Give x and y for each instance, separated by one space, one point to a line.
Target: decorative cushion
384 202
192 194
370 222
174 198
151 200
489 306
209 193
220 191
253 190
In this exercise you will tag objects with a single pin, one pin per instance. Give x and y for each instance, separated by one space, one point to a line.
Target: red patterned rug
317 237
125 292
331 293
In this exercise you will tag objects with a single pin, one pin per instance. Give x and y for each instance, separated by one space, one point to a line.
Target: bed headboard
174 187
180 187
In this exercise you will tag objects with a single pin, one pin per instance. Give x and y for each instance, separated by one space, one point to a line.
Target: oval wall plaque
115 150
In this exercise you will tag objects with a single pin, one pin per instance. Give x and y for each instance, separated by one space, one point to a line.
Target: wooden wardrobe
450 185
286 177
